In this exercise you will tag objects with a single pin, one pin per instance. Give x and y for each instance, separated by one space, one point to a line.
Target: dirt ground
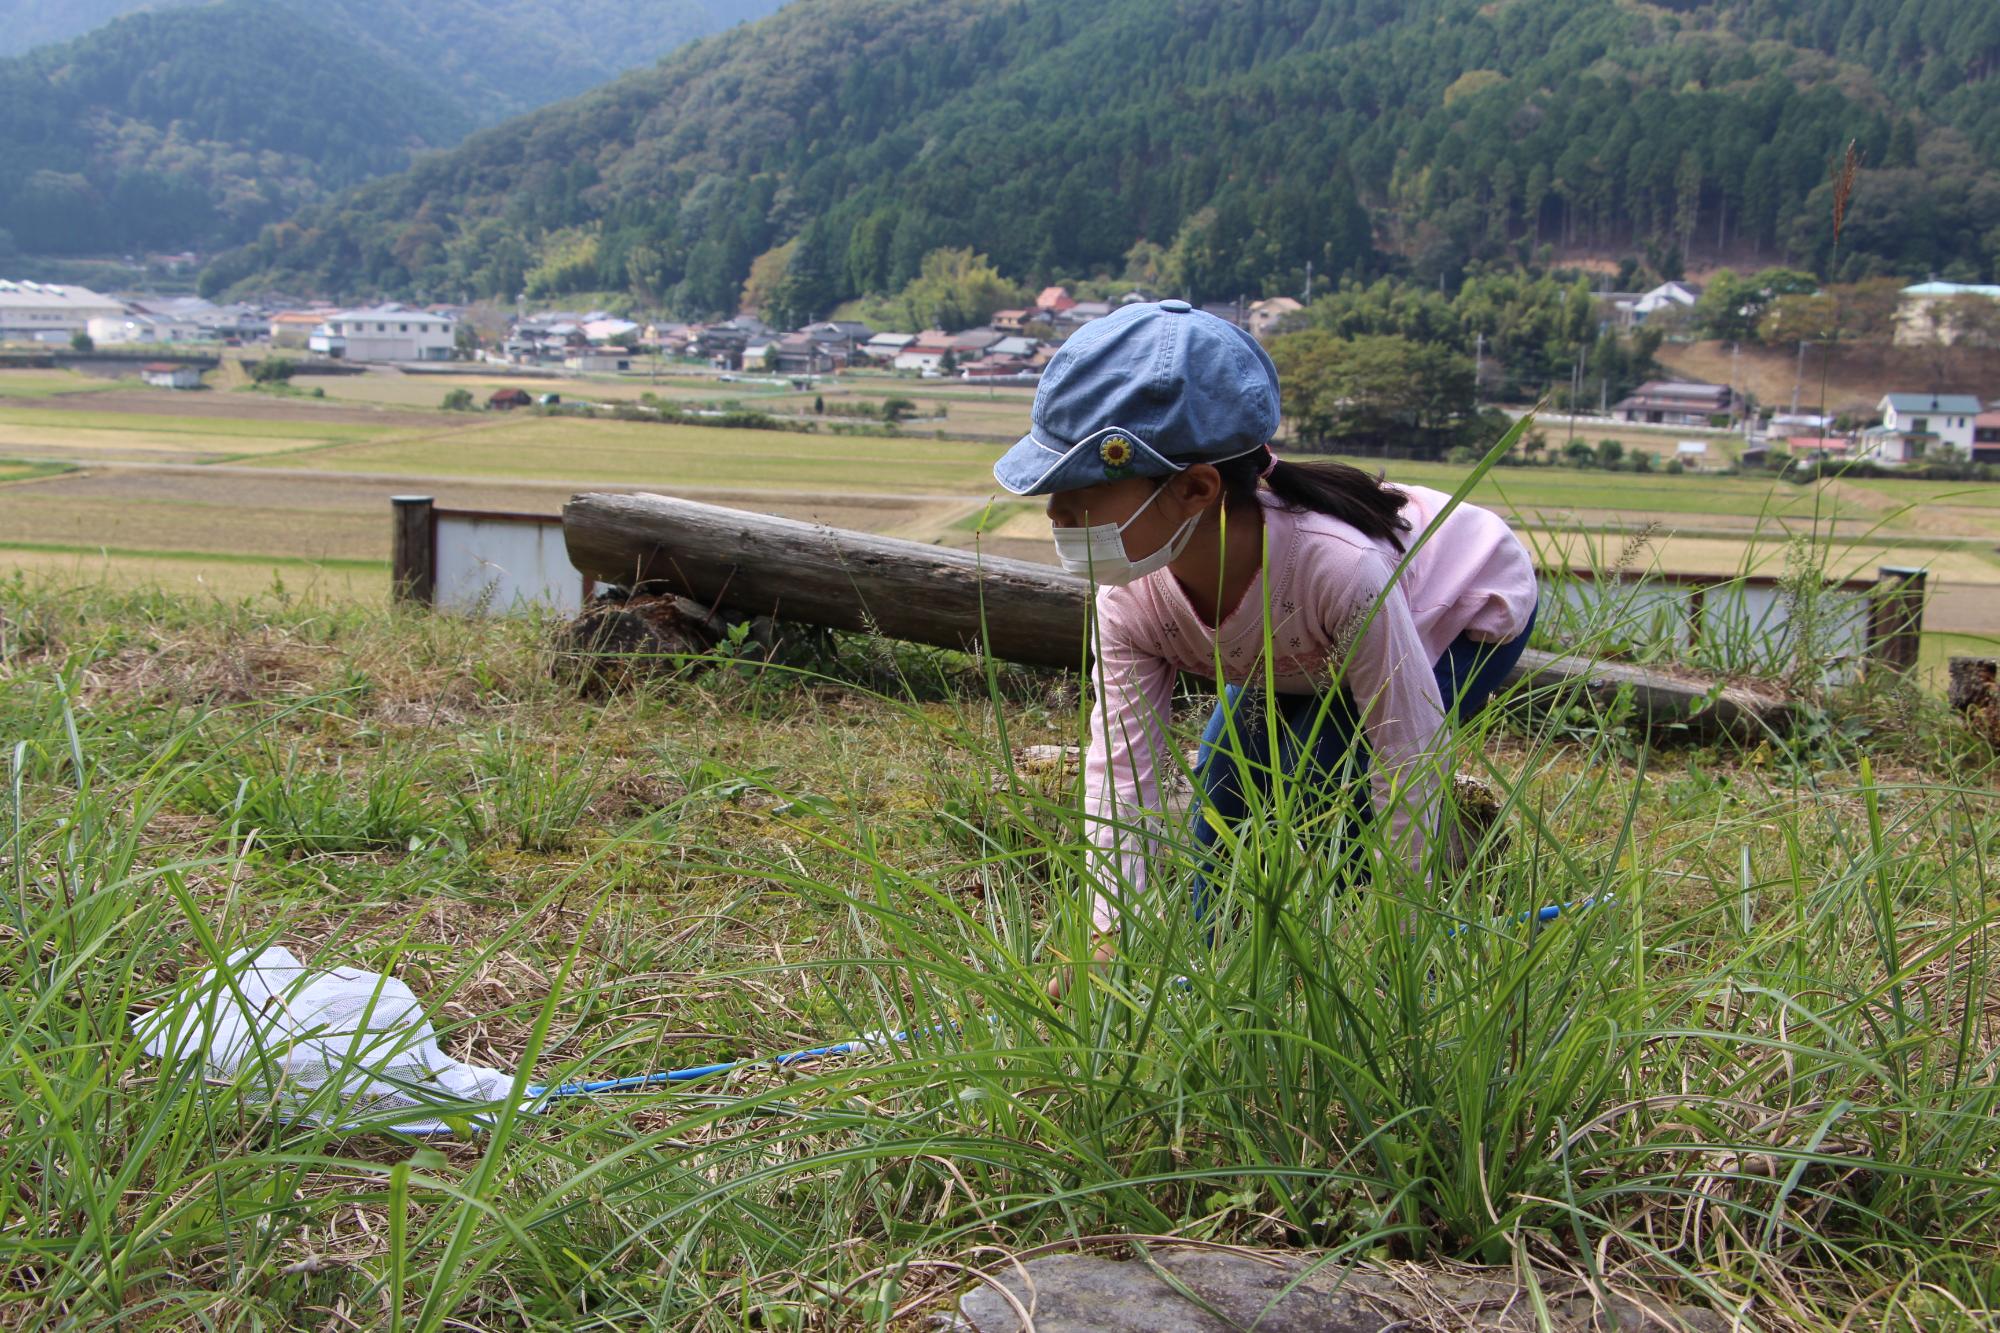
1855 377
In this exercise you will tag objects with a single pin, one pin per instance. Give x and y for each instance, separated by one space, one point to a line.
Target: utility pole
1309 282
1571 413
1798 377
1478 363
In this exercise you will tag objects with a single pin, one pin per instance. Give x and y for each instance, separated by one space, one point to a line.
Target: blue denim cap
1146 391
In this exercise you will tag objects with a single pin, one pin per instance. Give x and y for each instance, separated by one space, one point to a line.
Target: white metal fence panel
496 565
1751 626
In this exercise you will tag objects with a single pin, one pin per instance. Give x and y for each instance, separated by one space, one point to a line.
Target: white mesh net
335 1047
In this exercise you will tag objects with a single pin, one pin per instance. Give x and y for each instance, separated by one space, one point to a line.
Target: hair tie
1270 462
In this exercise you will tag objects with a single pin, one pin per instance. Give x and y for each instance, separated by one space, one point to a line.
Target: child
1149 426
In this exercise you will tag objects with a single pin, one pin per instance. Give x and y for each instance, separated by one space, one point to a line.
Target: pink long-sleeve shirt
1322 577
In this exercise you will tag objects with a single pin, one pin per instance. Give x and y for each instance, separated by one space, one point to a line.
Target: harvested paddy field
648 455
235 511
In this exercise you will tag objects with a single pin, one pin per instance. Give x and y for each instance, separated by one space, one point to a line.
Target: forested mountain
27 24
499 57
193 125
1239 139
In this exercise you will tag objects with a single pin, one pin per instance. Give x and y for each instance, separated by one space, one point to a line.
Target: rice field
49 383
643 454
86 436
1000 412
235 473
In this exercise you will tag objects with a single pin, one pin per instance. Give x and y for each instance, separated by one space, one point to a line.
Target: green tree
1373 393
82 342
458 400
955 289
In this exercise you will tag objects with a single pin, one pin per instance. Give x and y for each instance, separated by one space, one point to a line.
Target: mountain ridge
1243 138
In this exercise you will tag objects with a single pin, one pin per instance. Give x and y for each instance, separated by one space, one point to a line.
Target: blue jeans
1468 674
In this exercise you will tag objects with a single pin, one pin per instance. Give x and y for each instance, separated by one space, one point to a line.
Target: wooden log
1702 708
757 564
413 550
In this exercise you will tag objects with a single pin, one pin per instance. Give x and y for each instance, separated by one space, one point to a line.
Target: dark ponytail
1346 493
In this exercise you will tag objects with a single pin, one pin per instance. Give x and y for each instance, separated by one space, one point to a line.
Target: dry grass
1856 378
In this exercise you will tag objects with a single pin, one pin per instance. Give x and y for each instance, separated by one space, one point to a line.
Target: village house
669 336
506 400
1266 316
599 360
1052 301
1931 418
386 334
293 328
1014 347
918 358
170 375
1012 321
790 354
1986 437
927 352
606 329
1888 448
1666 296
51 312
722 345
885 346
840 339
971 344
1679 403
1924 313
1786 425
140 324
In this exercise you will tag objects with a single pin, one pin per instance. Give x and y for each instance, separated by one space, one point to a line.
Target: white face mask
1098 551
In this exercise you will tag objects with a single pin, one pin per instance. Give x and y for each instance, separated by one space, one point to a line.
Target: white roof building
1665 295
51 312
1929 311
605 330
386 333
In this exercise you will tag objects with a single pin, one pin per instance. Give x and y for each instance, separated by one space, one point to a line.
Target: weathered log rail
1016 610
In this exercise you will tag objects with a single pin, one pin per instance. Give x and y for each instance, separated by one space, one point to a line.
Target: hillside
192 126
498 57
1242 139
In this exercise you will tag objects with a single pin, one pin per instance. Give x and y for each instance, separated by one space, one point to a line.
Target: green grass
88 571
11 470
44 384
1763 1078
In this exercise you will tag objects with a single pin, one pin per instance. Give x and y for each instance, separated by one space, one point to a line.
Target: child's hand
1104 949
